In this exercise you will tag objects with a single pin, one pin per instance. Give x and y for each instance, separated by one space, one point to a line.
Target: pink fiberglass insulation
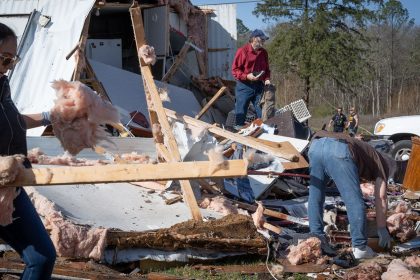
399 225
134 157
147 53
366 271
306 251
255 158
216 158
221 205
413 261
9 169
258 216
399 270
36 156
368 189
77 115
70 240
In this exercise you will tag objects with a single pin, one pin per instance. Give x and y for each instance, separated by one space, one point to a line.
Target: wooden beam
81 48
272 213
178 60
272 228
247 141
126 173
212 100
153 94
201 66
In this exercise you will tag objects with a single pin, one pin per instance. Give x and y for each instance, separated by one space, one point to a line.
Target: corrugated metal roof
221 40
18 7
16 23
43 54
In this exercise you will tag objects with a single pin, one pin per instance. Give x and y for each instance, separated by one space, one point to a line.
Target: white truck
399 130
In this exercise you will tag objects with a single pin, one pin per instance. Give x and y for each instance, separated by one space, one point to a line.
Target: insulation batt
9 169
306 251
70 240
399 270
368 189
77 114
221 205
36 156
163 94
366 271
399 225
216 158
255 158
413 261
147 53
258 216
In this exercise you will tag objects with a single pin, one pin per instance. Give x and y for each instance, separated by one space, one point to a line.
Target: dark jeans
29 238
330 158
245 93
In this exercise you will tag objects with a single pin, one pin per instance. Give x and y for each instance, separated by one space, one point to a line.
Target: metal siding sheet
17 7
43 55
221 34
17 23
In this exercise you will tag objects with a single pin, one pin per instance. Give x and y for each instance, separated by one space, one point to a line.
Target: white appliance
107 51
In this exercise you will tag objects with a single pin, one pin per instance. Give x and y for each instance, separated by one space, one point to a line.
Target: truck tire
401 150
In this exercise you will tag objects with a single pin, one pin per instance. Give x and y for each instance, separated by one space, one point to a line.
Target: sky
244 11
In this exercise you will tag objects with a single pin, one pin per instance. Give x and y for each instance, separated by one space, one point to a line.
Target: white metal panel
107 51
43 57
178 23
17 7
16 23
221 35
156 28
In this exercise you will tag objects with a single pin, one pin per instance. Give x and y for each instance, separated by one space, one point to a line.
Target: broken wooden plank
301 163
272 228
247 141
271 213
80 59
173 200
178 60
210 103
153 94
126 173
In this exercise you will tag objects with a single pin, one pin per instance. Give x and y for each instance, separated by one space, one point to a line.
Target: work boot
364 252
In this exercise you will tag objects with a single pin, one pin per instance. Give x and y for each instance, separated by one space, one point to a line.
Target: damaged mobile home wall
222 37
47 42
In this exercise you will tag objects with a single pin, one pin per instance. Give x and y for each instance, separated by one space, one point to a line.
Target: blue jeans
246 92
29 238
331 158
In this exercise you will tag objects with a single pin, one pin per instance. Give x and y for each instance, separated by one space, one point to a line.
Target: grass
191 273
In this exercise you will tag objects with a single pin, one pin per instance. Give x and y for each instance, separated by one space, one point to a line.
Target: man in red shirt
251 71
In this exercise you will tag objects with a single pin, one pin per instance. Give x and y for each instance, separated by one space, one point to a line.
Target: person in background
251 71
338 121
345 160
26 233
353 122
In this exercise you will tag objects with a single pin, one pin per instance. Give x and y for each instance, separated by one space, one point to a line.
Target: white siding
221 35
18 7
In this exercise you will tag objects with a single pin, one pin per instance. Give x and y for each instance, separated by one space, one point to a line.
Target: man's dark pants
245 93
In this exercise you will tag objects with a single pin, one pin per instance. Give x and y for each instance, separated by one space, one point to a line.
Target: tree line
362 53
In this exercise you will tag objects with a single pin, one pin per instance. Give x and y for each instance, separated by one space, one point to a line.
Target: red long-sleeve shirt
248 60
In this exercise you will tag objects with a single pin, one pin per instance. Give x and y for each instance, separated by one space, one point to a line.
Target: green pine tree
322 39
